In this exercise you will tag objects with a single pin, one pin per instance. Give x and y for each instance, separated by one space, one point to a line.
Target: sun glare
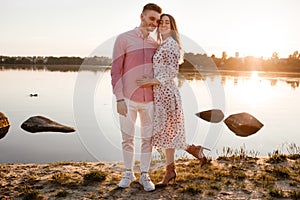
254 90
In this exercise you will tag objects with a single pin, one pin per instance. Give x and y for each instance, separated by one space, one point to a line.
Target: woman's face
165 25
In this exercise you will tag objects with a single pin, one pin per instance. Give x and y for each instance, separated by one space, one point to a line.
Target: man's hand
146 82
122 108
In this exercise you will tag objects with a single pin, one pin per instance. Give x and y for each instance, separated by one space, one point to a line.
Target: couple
143 72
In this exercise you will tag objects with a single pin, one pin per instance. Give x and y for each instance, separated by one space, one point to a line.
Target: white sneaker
146 182
127 179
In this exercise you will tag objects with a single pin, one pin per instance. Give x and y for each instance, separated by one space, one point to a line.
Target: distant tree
192 61
294 60
296 55
198 61
24 61
234 63
10 60
275 57
237 55
216 60
224 55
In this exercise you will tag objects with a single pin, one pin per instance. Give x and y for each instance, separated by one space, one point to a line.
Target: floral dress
168 122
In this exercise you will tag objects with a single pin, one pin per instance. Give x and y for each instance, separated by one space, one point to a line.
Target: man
132 59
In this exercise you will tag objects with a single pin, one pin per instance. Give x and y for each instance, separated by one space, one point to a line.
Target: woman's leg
170 168
170 154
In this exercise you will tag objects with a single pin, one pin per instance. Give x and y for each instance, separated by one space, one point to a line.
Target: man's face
150 20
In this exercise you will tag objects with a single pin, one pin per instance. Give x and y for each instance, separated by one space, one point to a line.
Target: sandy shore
232 177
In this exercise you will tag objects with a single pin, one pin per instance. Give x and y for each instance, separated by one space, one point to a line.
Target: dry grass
233 175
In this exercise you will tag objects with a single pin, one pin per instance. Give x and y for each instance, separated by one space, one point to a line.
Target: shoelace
146 178
127 176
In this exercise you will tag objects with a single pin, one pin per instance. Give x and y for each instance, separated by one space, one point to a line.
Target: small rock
33 95
226 193
214 115
246 191
43 124
243 124
4 125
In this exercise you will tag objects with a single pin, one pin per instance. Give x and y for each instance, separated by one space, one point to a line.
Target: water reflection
294 83
53 68
291 79
273 98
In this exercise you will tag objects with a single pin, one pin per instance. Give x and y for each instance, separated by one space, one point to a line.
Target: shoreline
226 177
92 67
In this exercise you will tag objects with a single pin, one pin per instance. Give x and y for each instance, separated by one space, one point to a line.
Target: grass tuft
215 186
295 195
62 163
94 176
264 180
31 195
281 172
66 179
276 157
229 154
276 192
192 188
62 193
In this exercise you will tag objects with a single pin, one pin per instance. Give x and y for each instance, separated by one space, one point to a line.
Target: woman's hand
147 82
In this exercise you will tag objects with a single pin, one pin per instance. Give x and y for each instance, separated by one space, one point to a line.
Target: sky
77 27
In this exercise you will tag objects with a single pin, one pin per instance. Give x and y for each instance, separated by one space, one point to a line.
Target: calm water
84 100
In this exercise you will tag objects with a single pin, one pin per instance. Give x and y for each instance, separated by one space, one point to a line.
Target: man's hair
152 6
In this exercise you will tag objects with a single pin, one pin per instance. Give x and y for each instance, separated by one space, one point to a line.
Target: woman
169 132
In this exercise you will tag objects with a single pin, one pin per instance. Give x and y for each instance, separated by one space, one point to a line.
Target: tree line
191 61
51 60
248 63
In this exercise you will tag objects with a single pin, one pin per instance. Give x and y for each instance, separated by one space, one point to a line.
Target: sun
254 90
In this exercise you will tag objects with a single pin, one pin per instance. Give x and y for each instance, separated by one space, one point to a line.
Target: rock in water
4 125
243 124
214 115
33 95
43 124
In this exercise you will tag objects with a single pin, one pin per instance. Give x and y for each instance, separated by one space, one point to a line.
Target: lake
83 99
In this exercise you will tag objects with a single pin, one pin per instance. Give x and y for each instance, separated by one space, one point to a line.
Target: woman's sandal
197 151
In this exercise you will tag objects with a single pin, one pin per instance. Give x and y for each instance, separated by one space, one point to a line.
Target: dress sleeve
169 65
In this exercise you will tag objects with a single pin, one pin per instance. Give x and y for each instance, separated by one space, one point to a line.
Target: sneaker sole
147 190
128 185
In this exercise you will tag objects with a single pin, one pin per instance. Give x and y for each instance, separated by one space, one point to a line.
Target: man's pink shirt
132 59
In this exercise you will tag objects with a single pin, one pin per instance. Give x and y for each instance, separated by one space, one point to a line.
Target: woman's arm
170 63
168 67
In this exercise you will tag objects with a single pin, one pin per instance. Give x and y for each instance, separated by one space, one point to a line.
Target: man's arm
117 68
117 75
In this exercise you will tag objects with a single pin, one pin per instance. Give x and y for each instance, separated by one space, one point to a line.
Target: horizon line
91 56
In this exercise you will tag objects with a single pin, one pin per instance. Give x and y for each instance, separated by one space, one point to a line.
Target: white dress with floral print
169 129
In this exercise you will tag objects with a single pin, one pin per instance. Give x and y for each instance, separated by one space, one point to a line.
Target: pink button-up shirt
132 59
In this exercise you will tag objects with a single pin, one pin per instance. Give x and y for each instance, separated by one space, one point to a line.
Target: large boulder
43 124
4 125
243 124
214 115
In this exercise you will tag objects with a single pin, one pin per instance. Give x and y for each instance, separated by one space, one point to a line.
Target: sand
232 177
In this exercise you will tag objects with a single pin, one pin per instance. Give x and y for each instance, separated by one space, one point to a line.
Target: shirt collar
140 34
